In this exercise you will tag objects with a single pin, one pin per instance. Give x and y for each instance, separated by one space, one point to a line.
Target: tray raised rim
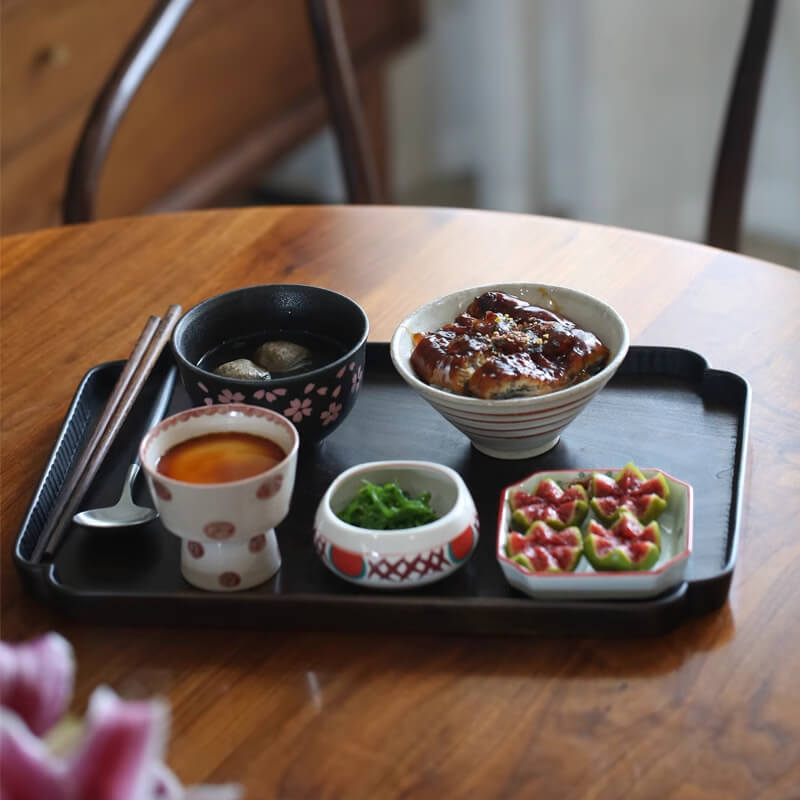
689 598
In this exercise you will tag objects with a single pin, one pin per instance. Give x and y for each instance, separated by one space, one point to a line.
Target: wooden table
711 710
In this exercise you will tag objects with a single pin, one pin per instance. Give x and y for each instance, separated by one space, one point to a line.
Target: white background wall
603 110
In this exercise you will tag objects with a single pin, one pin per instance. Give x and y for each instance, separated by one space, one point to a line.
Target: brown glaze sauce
503 347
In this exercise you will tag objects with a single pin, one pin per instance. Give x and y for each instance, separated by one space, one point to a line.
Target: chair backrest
723 226
337 75
142 52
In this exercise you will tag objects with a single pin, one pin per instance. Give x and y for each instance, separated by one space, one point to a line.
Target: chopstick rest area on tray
148 348
125 513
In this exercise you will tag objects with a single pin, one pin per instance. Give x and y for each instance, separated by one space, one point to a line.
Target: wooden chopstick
120 387
145 353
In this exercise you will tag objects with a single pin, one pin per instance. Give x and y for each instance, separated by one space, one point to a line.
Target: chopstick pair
146 351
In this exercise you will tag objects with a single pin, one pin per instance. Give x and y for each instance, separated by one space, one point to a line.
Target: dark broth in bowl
323 350
220 458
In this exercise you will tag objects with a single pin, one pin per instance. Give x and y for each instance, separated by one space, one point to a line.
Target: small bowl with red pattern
402 558
594 534
226 527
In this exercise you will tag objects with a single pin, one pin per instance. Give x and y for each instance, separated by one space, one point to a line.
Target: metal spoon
125 512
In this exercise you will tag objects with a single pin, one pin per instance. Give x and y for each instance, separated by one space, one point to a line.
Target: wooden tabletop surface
711 710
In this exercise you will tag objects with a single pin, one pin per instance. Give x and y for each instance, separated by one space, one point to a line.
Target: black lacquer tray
665 408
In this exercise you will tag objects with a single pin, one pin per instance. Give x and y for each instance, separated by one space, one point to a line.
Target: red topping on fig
543 549
550 503
629 491
626 545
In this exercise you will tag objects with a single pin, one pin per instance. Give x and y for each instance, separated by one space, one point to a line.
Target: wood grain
710 711
224 78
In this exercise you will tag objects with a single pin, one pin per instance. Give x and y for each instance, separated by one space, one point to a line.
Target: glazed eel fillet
501 347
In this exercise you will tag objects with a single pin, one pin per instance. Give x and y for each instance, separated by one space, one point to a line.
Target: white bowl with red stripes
407 557
518 427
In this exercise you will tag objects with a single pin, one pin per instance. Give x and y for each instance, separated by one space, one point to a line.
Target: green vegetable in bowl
387 507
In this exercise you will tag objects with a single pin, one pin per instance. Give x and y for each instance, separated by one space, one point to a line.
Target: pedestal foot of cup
230 566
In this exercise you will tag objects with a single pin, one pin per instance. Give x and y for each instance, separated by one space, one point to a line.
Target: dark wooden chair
337 78
723 226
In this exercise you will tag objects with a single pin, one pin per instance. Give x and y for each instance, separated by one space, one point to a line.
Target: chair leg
341 90
733 156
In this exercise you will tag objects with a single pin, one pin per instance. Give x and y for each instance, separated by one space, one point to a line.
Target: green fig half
522 518
543 549
626 546
559 508
628 491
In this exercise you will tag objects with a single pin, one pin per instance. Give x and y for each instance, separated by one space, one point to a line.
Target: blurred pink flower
36 680
117 755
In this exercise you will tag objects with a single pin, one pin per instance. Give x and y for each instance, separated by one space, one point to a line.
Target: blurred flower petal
27 770
123 741
166 786
36 679
117 755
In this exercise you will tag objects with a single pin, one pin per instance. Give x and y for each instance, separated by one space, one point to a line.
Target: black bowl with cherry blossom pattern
316 400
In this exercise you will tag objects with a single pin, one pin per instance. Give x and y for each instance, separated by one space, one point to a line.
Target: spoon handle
157 412
130 479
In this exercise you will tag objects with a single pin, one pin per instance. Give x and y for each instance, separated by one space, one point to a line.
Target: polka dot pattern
162 491
196 550
229 580
270 487
257 543
219 531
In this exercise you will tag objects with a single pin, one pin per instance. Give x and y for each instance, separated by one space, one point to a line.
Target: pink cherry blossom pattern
298 409
270 397
357 375
309 388
229 579
227 396
351 366
341 372
257 543
331 414
196 550
208 401
219 531
336 391
162 491
202 386
270 487
323 390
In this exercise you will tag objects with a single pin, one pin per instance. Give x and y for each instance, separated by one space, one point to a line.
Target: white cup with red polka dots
227 530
